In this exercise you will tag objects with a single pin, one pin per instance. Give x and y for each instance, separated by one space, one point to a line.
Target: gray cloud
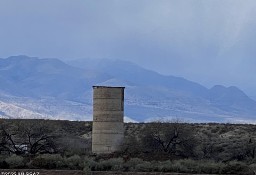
209 41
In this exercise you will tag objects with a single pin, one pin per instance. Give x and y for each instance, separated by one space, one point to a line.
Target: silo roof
95 87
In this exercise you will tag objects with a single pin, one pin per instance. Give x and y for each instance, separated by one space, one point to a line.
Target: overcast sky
207 41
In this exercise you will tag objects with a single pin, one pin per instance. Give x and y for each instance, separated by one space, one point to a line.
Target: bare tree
171 137
244 149
27 137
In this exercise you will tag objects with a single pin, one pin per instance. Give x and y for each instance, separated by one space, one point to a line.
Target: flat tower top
96 87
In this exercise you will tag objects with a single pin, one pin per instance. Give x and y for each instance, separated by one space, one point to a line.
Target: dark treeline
164 146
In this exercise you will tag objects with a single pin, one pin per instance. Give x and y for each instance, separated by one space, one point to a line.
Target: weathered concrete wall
108 117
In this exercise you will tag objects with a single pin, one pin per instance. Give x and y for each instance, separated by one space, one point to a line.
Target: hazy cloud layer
208 41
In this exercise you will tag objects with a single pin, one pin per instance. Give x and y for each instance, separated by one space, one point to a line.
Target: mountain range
50 88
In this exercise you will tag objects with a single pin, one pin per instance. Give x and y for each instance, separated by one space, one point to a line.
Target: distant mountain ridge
33 77
148 95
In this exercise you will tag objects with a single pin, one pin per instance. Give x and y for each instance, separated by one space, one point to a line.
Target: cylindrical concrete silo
108 117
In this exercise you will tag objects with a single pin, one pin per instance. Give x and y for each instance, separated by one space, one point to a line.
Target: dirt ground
78 172
140 173
39 172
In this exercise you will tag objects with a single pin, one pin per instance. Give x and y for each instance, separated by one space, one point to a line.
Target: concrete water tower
108 119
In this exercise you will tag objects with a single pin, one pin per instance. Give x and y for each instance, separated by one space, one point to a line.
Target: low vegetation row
88 164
